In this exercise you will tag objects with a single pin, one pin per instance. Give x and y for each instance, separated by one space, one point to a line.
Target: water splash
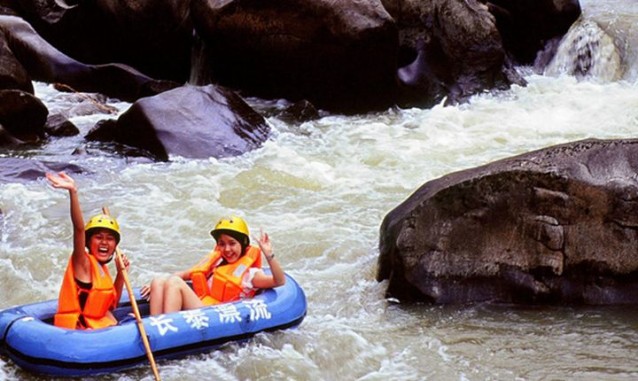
587 52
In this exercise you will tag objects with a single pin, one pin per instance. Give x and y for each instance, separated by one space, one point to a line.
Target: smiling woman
88 293
232 271
321 189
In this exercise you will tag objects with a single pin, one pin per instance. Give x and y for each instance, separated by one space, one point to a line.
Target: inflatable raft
28 337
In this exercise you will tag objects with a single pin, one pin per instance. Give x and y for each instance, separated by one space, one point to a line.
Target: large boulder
190 121
525 26
458 52
342 56
8 140
22 115
44 63
12 74
454 49
339 55
153 36
558 225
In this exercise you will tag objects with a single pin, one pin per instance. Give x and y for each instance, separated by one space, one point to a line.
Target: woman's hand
145 291
264 243
125 261
62 181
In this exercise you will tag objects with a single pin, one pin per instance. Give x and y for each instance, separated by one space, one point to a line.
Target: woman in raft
232 271
88 293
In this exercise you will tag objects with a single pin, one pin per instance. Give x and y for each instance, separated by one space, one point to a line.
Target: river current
321 189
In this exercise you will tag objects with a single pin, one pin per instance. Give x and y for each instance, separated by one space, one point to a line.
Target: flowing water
321 189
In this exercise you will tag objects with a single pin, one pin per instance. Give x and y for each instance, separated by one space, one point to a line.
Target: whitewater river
321 189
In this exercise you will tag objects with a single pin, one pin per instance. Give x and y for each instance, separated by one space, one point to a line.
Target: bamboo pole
136 310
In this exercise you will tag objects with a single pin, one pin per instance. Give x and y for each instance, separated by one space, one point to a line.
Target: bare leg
179 296
157 295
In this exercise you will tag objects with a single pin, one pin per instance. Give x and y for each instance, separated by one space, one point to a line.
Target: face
229 247
102 244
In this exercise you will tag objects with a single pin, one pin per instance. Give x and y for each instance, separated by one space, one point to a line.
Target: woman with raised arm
88 293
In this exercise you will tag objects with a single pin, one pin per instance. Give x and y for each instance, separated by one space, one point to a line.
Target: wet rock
190 121
22 115
299 112
8 140
12 74
105 130
454 49
22 170
154 36
83 104
45 63
59 125
457 52
421 82
339 55
558 225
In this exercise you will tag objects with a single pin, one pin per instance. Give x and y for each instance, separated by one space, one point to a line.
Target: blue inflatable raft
28 337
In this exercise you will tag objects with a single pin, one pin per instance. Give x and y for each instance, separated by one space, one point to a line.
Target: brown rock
558 225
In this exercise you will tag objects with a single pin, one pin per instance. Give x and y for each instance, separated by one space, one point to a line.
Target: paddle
136 311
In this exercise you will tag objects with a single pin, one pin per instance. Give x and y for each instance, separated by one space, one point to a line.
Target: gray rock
190 121
558 225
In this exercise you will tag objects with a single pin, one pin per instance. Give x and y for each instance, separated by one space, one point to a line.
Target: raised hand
145 291
264 243
61 180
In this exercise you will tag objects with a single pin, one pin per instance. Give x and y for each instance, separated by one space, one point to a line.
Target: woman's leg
179 296
157 296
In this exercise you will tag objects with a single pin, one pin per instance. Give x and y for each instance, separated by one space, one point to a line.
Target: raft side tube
33 343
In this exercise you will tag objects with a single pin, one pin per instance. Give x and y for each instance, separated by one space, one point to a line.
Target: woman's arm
119 278
277 278
186 274
79 259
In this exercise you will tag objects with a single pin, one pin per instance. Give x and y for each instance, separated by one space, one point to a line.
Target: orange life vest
226 279
101 298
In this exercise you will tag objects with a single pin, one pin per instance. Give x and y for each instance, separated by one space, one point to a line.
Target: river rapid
321 190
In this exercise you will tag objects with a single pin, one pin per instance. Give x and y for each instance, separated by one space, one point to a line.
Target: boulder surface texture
557 225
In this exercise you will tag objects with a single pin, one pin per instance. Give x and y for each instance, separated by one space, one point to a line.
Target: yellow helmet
232 225
102 221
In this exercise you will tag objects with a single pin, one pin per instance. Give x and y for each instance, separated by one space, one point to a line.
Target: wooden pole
136 310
